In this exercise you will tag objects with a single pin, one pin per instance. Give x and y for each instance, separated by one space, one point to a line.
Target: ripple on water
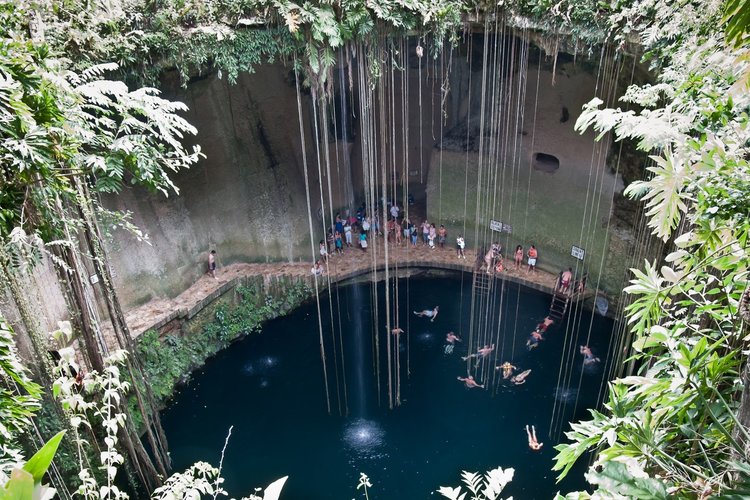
260 366
261 369
565 395
365 438
426 338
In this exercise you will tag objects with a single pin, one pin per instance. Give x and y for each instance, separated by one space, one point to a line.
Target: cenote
269 388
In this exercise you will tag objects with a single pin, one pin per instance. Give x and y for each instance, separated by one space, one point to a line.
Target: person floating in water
521 377
481 353
588 356
470 383
542 327
534 444
430 313
450 339
507 369
534 339
397 331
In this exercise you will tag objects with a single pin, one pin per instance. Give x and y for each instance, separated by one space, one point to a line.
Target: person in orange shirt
532 255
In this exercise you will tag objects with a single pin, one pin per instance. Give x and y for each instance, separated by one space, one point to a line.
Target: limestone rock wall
247 199
479 177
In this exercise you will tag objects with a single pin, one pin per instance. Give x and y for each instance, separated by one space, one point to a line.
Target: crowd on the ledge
356 230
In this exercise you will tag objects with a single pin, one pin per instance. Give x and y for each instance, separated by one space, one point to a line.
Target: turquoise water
269 387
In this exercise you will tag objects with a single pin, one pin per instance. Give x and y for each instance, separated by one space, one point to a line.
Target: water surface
269 387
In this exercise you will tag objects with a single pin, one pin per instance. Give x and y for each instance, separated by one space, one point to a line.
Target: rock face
515 157
248 199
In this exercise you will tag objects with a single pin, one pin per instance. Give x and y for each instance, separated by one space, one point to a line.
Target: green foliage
19 398
737 19
61 131
26 483
170 359
147 37
672 426
38 464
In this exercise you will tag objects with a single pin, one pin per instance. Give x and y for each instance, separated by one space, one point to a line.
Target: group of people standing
493 259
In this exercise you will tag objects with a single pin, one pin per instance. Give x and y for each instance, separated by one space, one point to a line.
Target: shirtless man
507 369
429 313
588 356
565 279
532 256
397 331
534 444
212 264
488 258
470 383
521 377
481 353
452 338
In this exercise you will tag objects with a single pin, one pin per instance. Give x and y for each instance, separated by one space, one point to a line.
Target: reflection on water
270 387
426 338
262 366
364 437
565 394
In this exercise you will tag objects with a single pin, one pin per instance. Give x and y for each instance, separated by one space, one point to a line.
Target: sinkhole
269 387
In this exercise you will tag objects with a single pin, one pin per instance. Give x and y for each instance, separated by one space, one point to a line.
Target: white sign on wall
577 252
500 226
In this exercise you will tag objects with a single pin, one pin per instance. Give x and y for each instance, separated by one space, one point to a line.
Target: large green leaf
38 464
615 479
19 487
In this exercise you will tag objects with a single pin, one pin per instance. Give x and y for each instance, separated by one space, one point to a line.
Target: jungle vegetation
78 119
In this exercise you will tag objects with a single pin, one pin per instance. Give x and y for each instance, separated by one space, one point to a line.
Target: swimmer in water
507 369
481 353
542 327
588 356
534 339
520 378
397 331
429 313
451 338
470 383
533 443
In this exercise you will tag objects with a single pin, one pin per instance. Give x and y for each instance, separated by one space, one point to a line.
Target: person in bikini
518 258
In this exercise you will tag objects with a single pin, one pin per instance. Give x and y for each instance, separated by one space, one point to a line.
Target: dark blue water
269 387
